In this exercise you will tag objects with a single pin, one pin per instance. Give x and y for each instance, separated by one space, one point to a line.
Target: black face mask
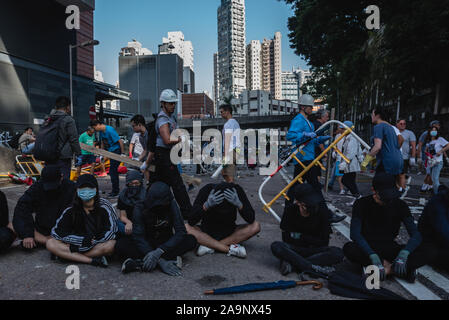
133 191
312 210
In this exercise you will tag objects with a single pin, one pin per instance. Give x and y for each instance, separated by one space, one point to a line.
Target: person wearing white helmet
301 131
165 170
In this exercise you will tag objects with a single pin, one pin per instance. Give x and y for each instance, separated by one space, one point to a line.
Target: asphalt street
33 276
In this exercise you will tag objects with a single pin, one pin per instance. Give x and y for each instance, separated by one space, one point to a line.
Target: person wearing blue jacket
375 224
302 130
434 227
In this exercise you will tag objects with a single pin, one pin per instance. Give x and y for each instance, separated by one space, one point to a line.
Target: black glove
151 259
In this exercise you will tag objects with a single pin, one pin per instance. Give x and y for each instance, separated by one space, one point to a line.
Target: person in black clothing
47 199
434 227
375 224
127 200
153 241
7 234
86 231
305 236
216 207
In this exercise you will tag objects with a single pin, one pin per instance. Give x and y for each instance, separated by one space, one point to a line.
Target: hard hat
349 124
306 100
168 95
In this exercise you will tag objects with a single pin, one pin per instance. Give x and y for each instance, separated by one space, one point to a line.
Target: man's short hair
381 112
95 123
90 128
62 103
138 119
400 119
321 113
226 107
28 129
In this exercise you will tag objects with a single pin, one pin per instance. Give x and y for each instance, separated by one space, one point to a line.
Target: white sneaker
202 250
409 180
342 192
237 250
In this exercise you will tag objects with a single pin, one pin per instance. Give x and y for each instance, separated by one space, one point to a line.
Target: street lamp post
71 47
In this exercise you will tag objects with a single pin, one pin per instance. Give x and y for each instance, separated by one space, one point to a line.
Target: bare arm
377 146
164 131
400 140
419 149
413 147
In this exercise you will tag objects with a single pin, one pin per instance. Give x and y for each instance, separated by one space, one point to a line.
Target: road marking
435 277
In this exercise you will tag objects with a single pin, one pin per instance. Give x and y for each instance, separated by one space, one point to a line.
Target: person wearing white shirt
231 135
436 146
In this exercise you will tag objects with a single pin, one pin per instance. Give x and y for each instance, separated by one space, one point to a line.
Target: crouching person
375 224
86 231
46 199
154 244
305 236
7 234
216 206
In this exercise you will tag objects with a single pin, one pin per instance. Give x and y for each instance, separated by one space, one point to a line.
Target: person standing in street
115 145
408 151
322 117
386 146
435 147
231 136
353 152
165 170
302 130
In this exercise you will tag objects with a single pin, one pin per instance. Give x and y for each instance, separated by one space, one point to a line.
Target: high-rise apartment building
216 89
254 65
135 48
176 44
231 47
290 85
272 65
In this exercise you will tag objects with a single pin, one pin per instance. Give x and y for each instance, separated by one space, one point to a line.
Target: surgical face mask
433 133
87 194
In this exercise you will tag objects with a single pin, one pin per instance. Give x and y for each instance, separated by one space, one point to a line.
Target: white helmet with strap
306 100
168 95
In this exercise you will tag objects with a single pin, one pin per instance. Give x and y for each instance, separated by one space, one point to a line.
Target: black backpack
14 142
152 134
47 146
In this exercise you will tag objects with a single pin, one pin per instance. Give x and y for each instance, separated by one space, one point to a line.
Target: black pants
348 181
440 256
302 259
125 248
6 238
113 173
389 251
168 173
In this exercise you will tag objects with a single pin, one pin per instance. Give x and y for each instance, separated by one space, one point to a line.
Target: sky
117 22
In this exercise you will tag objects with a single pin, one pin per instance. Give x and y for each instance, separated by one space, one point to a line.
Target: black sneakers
285 268
336 218
131 265
100 262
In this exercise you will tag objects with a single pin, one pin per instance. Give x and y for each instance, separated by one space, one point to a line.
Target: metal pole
138 85
329 155
71 79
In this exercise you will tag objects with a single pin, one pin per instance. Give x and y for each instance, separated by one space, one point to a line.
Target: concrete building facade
145 77
272 65
197 105
216 88
231 48
254 65
34 62
175 43
290 85
262 103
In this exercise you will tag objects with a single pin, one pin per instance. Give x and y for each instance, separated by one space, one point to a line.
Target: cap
385 185
51 177
433 123
307 194
348 124
87 180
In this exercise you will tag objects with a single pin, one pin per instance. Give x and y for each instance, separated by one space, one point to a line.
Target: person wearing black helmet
305 236
159 236
46 199
375 224
85 232
216 206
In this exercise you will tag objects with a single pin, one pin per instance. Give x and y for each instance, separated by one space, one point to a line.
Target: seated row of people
151 231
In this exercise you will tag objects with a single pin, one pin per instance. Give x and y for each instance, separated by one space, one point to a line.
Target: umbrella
251 287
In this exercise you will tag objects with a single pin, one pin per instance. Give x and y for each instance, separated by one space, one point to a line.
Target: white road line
435 277
418 290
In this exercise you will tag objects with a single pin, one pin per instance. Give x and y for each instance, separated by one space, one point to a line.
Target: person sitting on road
434 227
85 232
216 207
153 241
86 157
133 193
7 235
375 224
305 236
47 199
27 141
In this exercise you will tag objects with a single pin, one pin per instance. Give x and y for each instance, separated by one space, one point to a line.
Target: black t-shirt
315 229
129 209
4 214
223 216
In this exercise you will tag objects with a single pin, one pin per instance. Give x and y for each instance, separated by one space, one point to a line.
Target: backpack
47 146
152 133
14 142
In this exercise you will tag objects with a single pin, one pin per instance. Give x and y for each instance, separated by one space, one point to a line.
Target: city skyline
261 22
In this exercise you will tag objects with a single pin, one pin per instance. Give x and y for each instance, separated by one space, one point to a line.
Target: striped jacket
71 227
